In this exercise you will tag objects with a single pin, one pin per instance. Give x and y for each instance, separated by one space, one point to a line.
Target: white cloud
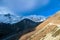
25 5
4 10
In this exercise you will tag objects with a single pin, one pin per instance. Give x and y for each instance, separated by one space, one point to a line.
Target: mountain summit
9 18
36 18
6 16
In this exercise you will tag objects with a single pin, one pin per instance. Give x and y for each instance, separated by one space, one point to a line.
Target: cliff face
48 30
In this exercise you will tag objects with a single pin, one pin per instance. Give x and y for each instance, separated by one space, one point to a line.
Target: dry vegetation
48 30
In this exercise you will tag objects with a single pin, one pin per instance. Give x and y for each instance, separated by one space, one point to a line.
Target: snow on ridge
36 18
5 19
13 18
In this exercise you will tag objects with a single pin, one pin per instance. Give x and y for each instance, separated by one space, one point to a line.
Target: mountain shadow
14 31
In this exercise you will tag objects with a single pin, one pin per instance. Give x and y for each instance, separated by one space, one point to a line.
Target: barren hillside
48 30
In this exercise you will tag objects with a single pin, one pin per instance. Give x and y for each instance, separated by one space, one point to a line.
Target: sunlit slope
48 30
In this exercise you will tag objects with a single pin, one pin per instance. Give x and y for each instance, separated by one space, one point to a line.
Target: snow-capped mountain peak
36 18
6 16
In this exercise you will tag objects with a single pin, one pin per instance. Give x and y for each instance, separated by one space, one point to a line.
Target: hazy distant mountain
36 18
9 18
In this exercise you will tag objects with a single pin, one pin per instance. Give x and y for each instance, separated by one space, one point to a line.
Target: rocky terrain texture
48 30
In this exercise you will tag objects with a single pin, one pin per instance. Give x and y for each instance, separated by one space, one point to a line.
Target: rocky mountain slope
17 29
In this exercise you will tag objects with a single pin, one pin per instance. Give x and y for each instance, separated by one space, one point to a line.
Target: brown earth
44 28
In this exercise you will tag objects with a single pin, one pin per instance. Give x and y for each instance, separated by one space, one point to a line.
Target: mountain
26 24
48 30
36 18
17 29
13 26
9 18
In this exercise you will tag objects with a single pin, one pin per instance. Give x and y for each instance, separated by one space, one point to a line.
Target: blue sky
47 10
45 7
